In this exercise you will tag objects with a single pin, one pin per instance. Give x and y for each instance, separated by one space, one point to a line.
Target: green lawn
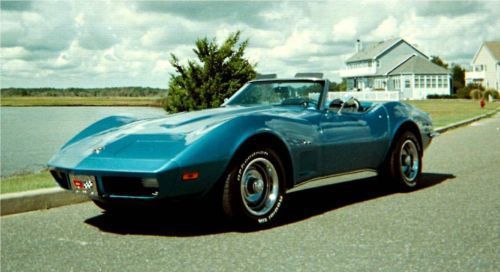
20 101
27 182
448 111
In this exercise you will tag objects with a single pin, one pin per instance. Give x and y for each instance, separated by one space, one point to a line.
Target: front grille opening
126 186
61 178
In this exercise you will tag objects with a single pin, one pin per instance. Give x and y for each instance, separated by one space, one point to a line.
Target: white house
486 66
395 66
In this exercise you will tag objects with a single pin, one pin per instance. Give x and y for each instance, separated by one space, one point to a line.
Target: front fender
211 149
401 114
100 126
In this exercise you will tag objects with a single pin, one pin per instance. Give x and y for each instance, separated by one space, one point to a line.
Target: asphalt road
451 224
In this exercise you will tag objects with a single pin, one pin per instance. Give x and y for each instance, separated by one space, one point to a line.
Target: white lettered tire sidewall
233 195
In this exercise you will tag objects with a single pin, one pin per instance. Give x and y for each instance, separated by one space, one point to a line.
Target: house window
440 81
419 81
433 82
480 68
395 83
428 82
379 83
407 83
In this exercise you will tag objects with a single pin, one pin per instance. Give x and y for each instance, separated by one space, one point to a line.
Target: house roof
392 63
371 50
494 48
418 65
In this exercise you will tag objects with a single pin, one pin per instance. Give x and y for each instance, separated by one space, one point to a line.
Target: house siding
395 55
491 73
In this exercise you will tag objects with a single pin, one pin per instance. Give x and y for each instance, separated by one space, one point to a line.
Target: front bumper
434 134
143 185
108 186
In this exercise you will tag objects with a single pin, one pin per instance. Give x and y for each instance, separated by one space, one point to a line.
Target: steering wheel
346 103
354 104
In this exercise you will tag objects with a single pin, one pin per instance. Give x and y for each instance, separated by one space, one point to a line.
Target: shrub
476 94
494 94
442 96
465 92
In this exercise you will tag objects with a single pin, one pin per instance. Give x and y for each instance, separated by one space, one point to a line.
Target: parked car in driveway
270 137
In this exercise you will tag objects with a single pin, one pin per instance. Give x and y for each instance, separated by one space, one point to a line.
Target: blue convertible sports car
269 138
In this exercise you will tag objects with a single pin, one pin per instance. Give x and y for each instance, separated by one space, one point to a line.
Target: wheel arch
270 140
411 127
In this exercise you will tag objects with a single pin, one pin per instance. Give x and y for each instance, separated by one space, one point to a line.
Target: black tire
404 163
254 188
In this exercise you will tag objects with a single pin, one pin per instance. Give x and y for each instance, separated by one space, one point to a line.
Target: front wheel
254 187
404 165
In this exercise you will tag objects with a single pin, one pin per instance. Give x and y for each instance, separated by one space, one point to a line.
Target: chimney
359 45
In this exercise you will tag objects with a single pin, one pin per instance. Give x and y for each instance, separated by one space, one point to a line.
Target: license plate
83 184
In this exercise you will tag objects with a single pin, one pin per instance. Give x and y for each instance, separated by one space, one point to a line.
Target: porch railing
367 95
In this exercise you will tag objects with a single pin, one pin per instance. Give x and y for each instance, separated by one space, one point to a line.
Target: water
31 135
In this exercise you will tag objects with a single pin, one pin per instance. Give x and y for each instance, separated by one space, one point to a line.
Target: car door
353 140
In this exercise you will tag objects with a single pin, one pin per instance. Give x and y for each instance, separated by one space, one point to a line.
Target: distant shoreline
73 101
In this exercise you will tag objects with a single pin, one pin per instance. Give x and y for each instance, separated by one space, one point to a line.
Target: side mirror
225 102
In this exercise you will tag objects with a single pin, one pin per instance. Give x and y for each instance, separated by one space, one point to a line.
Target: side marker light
190 176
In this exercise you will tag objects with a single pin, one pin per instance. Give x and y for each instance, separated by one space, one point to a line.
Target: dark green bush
494 94
442 96
476 94
465 92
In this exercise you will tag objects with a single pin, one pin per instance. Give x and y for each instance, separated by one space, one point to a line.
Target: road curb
12 203
466 122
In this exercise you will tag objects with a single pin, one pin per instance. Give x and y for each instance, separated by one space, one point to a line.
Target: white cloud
16 52
345 30
386 29
118 43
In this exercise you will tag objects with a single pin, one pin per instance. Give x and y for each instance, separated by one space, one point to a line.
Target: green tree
218 73
437 60
338 87
457 77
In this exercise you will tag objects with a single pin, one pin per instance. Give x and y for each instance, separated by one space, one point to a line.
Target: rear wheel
404 165
254 187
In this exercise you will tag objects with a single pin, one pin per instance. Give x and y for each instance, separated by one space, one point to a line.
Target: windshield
306 93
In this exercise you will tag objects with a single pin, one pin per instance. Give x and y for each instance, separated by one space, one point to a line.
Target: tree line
85 92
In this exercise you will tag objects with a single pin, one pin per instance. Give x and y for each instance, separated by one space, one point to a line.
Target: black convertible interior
350 105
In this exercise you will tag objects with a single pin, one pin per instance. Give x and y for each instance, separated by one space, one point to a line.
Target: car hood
147 145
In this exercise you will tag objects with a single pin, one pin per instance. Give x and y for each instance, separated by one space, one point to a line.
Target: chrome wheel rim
409 161
259 186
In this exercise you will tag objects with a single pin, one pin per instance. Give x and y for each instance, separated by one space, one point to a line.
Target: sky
128 43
